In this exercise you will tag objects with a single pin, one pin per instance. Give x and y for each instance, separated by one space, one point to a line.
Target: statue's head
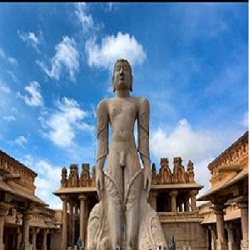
122 75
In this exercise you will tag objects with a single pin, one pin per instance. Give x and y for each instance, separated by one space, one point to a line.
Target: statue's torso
122 113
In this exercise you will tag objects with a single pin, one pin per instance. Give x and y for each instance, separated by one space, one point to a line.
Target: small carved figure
154 175
64 180
85 178
73 176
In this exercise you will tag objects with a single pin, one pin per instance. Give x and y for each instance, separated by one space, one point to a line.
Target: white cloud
2 53
113 48
5 89
47 181
201 147
245 120
66 57
30 38
64 122
9 118
12 75
84 18
183 141
21 140
10 59
35 98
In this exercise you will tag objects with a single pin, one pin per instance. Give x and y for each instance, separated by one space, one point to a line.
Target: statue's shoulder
142 101
103 104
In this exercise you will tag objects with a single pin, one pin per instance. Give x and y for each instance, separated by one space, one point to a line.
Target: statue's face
122 78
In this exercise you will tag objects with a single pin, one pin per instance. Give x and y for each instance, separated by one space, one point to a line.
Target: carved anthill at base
150 235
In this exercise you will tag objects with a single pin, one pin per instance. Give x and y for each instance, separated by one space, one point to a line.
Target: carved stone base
150 233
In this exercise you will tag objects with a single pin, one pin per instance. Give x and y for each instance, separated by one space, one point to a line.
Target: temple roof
15 190
224 186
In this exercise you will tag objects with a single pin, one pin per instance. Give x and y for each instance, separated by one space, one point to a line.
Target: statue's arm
102 134
143 139
102 142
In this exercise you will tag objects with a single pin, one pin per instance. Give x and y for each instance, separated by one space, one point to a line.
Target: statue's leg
114 222
114 214
132 215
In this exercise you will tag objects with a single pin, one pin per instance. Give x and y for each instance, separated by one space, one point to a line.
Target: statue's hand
147 178
99 181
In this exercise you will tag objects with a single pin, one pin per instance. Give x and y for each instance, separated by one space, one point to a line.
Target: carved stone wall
76 179
12 167
188 235
233 159
178 175
163 176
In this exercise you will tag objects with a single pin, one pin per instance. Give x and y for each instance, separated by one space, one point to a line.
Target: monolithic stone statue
123 219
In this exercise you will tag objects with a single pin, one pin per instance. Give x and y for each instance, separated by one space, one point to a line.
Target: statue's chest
125 110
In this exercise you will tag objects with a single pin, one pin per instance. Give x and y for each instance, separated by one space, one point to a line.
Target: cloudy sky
189 59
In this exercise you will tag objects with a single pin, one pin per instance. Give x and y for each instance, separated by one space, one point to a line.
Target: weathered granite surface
123 219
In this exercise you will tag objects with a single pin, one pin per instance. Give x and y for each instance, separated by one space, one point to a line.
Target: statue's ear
113 85
131 84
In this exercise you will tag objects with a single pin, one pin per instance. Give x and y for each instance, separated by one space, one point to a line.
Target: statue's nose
121 72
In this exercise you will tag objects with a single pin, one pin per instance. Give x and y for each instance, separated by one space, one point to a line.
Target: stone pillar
193 194
71 223
3 212
45 233
213 237
173 195
83 223
35 231
19 238
221 240
64 223
153 199
231 241
25 230
244 225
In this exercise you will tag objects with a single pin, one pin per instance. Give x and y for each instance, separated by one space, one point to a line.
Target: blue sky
189 59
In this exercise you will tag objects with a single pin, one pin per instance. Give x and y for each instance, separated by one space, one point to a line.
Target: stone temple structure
26 221
226 212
